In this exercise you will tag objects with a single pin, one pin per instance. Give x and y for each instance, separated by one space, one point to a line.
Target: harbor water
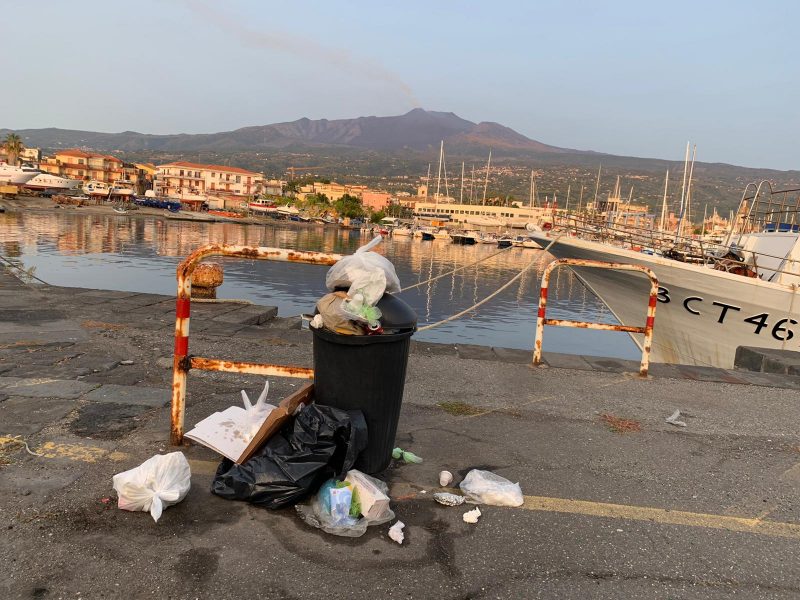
132 253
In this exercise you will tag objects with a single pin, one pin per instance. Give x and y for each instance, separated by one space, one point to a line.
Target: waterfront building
484 215
376 200
79 164
194 182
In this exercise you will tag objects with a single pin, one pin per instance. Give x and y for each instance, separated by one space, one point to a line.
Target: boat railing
722 255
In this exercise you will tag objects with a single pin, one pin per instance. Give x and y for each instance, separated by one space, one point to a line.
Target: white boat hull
702 315
15 175
46 181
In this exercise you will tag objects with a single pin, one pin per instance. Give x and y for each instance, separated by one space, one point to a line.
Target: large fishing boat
712 299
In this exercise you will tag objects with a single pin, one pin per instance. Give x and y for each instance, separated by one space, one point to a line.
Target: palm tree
13 146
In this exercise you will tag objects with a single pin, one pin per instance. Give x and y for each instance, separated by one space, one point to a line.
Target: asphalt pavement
618 502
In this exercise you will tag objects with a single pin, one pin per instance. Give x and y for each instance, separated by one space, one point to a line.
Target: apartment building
189 181
78 164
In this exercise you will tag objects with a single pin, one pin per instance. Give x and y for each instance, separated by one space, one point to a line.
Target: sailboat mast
530 198
705 216
461 196
597 186
439 176
428 182
664 203
472 186
683 186
486 180
689 188
566 204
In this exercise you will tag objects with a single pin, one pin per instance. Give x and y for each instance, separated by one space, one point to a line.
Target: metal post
647 330
182 362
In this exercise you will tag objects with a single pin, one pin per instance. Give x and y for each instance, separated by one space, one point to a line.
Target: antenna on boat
664 203
686 193
683 186
486 180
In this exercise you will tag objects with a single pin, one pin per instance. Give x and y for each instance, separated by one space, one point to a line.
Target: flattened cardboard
276 419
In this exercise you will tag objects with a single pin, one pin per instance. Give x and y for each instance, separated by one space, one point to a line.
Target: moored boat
741 293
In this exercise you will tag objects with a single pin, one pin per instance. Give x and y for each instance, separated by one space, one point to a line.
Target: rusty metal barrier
183 362
647 330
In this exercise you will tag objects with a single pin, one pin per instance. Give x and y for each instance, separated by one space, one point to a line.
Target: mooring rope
455 270
490 296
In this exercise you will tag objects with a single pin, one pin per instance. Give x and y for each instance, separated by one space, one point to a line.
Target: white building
190 181
480 215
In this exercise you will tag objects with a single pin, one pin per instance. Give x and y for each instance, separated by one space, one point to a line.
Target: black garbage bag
321 442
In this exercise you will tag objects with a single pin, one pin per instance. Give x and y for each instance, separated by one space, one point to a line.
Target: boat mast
566 203
580 200
428 182
461 197
472 186
683 186
530 198
486 180
444 166
686 191
664 204
703 226
439 176
597 186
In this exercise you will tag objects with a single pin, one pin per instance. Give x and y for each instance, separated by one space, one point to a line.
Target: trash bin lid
396 314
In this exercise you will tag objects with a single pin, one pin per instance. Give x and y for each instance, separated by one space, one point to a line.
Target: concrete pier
618 502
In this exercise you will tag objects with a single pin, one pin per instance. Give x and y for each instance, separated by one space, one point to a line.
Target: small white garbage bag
485 487
159 482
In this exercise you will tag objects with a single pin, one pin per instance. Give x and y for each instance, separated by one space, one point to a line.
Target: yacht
14 175
48 181
744 292
96 188
122 189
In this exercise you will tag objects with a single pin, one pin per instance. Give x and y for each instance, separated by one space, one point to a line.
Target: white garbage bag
485 487
157 483
359 266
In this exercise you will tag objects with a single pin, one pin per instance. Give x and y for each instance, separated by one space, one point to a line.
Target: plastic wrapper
485 487
159 482
319 512
360 268
321 442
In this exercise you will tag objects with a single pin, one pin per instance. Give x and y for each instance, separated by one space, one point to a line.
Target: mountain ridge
417 129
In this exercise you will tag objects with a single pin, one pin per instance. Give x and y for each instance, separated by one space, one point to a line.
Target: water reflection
141 254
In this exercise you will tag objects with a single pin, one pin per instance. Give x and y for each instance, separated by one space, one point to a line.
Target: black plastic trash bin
368 373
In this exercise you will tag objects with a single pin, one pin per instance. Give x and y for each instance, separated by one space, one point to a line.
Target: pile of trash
303 452
356 284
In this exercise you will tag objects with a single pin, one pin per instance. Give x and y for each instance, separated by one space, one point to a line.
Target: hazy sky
636 78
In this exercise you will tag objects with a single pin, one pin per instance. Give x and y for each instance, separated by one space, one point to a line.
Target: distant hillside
416 130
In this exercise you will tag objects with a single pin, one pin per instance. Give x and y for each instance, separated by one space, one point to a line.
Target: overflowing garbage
322 448
357 284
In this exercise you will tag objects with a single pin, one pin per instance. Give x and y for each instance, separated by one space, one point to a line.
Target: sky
631 78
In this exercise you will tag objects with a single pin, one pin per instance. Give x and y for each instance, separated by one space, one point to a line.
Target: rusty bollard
207 277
